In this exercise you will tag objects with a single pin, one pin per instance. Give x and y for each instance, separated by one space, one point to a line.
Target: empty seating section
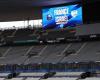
75 46
52 35
89 49
54 49
35 59
17 51
53 59
35 74
53 53
18 35
6 33
3 50
46 52
13 60
23 38
24 32
35 52
29 34
36 49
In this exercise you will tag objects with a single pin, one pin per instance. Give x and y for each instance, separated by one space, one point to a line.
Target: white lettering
61 19
61 11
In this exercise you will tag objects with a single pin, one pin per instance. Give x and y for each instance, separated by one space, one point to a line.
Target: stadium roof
31 3
22 4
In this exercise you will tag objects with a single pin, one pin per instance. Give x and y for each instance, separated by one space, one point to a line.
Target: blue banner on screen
62 17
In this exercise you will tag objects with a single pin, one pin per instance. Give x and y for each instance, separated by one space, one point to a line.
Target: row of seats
94 78
6 33
14 35
19 32
58 74
56 34
90 51
40 74
8 36
24 32
40 52
55 53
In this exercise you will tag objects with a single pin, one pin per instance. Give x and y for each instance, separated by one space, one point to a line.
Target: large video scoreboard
62 17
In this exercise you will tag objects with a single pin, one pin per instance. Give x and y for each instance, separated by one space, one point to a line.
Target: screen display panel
62 17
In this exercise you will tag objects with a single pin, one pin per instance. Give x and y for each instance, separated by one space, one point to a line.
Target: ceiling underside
13 4
31 3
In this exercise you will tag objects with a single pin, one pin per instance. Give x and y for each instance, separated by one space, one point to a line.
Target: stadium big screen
62 17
